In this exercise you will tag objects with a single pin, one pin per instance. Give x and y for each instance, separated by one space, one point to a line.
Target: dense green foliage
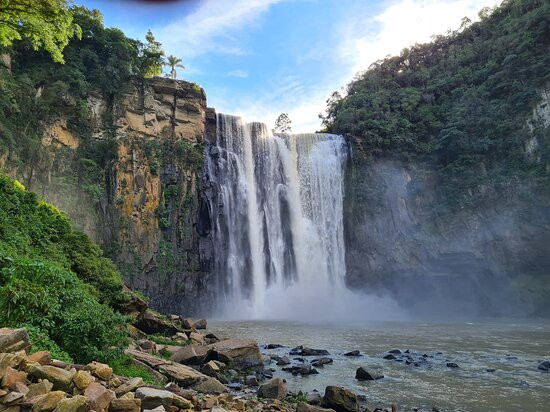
56 279
44 24
461 101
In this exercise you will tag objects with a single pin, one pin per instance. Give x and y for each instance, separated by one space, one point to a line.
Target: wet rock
98 396
389 357
283 361
366 374
251 380
544 366
395 352
490 370
301 370
75 404
452 365
304 407
314 398
274 389
353 353
130 386
321 362
273 346
340 399
267 374
305 351
60 378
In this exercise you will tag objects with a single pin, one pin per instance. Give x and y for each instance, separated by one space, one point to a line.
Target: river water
512 348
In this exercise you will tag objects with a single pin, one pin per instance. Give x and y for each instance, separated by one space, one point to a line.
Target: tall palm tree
173 62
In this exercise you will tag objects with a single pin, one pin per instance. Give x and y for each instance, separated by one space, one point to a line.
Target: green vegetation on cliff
56 280
461 102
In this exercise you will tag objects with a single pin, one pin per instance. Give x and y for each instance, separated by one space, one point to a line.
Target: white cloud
362 39
238 73
211 26
401 24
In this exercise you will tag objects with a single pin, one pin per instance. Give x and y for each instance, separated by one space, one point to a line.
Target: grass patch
124 366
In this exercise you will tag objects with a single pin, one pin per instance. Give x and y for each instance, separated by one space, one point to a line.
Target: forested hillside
448 188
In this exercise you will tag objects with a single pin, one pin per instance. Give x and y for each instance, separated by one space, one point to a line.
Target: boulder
389 357
60 378
210 385
273 346
133 305
197 337
340 399
301 370
21 387
452 365
304 407
366 374
135 333
210 368
12 398
82 379
41 388
181 374
13 340
99 370
305 351
188 323
42 357
9 360
75 404
395 352
321 362
130 386
274 389
145 357
251 380
283 361
188 394
353 353
200 324
125 405
241 353
147 345
544 366
190 355
48 402
152 398
13 376
152 323
98 396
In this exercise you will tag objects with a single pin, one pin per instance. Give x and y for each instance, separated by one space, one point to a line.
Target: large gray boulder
239 352
191 354
274 389
366 374
340 399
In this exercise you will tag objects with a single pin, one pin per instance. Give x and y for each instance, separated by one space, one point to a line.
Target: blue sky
258 58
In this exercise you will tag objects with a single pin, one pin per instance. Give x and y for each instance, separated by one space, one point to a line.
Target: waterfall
278 221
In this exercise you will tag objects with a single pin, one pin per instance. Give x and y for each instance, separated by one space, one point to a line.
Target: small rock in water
490 370
365 374
452 365
283 361
395 351
544 366
251 380
353 353
305 351
273 346
321 362
389 357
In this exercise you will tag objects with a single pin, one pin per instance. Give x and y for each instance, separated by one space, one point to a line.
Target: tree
45 24
173 62
152 56
283 124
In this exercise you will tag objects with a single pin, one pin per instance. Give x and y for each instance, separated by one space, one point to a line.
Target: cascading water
278 230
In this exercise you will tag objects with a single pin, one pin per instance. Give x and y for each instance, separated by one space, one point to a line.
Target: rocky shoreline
193 371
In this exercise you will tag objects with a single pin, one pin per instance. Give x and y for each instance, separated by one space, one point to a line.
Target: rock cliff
145 208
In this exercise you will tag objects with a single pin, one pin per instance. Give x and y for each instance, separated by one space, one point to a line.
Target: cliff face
147 206
489 257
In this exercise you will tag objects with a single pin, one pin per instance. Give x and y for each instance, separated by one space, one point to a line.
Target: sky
260 58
